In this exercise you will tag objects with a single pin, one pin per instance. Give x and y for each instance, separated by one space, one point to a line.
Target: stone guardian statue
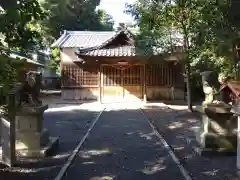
210 86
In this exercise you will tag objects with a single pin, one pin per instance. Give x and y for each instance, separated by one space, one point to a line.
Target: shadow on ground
123 146
69 122
178 126
172 102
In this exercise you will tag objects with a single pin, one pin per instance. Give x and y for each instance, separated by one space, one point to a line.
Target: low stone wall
153 93
80 94
164 93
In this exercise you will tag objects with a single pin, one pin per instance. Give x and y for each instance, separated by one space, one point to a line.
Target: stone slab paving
69 123
178 128
122 145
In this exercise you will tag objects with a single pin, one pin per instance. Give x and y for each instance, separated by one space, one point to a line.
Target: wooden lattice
133 75
164 74
75 76
111 76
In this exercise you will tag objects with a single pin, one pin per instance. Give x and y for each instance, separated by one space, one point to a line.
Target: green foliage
210 30
15 23
72 15
17 33
9 69
55 57
33 24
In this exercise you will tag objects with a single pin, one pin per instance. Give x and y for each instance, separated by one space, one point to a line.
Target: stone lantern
217 130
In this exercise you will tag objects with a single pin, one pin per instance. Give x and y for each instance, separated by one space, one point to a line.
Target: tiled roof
87 39
83 39
18 55
112 52
15 56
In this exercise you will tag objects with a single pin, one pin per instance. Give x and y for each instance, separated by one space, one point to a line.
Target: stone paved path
122 145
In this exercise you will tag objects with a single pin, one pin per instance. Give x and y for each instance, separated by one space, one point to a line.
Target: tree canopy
32 25
73 15
209 32
38 22
15 23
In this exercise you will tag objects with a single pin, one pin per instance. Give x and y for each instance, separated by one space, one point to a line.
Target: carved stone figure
210 86
28 93
32 139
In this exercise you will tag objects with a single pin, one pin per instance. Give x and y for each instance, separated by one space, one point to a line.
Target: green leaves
14 23
206 26
73 15
210 31
18 32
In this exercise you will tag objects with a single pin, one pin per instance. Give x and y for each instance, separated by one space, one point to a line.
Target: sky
116 8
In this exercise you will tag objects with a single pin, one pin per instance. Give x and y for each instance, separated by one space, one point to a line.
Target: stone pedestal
31 138
236 110
218 129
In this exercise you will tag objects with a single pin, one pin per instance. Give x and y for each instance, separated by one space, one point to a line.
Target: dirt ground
63 119
68 119
178 126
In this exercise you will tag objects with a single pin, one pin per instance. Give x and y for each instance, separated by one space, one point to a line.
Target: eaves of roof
15 56
121 51
60 40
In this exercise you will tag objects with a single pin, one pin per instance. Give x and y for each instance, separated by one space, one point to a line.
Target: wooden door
112 89
121 83
133 83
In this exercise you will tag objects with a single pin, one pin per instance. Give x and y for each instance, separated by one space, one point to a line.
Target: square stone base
43 151
214 144
217 132
32 139
202 151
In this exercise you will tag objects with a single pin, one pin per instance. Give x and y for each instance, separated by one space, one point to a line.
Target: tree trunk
188 83
187 67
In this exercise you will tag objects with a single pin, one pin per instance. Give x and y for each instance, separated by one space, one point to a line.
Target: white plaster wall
68 55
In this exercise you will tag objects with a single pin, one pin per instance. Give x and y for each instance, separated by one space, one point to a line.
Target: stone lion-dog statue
29 91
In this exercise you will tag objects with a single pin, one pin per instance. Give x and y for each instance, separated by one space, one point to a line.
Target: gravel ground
69 123
178 126
122 145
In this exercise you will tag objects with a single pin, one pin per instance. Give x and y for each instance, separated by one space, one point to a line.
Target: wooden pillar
101 83
144 84
8 133
122 83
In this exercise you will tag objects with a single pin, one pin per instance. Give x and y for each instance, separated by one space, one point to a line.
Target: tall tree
15 23
197 22
16 33
73 15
